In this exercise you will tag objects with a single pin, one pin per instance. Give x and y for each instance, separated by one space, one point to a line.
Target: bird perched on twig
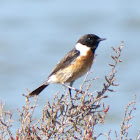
74 65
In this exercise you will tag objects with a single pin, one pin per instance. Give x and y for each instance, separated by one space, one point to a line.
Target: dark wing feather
66 61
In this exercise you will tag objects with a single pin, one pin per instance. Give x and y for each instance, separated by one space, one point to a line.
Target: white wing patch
82 48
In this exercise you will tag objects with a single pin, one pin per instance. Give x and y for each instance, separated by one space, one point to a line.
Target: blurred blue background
36 34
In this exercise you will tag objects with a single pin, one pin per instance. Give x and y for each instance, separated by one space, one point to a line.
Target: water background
36 34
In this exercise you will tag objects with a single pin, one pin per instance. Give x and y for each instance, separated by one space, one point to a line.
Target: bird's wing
66 61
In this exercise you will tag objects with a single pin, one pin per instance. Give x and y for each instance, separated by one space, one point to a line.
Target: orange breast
80 66
77 69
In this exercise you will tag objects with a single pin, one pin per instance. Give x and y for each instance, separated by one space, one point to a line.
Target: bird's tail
38 90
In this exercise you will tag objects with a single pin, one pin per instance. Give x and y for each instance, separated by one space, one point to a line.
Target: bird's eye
88 39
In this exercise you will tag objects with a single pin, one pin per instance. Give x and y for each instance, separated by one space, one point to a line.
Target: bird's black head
90 40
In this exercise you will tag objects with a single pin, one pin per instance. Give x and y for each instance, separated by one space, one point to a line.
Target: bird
74 65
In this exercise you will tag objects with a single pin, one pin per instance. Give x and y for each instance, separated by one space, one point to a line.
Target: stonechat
75 64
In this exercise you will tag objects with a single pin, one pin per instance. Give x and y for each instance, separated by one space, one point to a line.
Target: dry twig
62 120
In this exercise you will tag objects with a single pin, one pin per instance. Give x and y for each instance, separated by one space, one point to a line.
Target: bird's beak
101 39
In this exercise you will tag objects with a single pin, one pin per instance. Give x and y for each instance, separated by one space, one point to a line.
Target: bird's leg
71 83
69 88
72 88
